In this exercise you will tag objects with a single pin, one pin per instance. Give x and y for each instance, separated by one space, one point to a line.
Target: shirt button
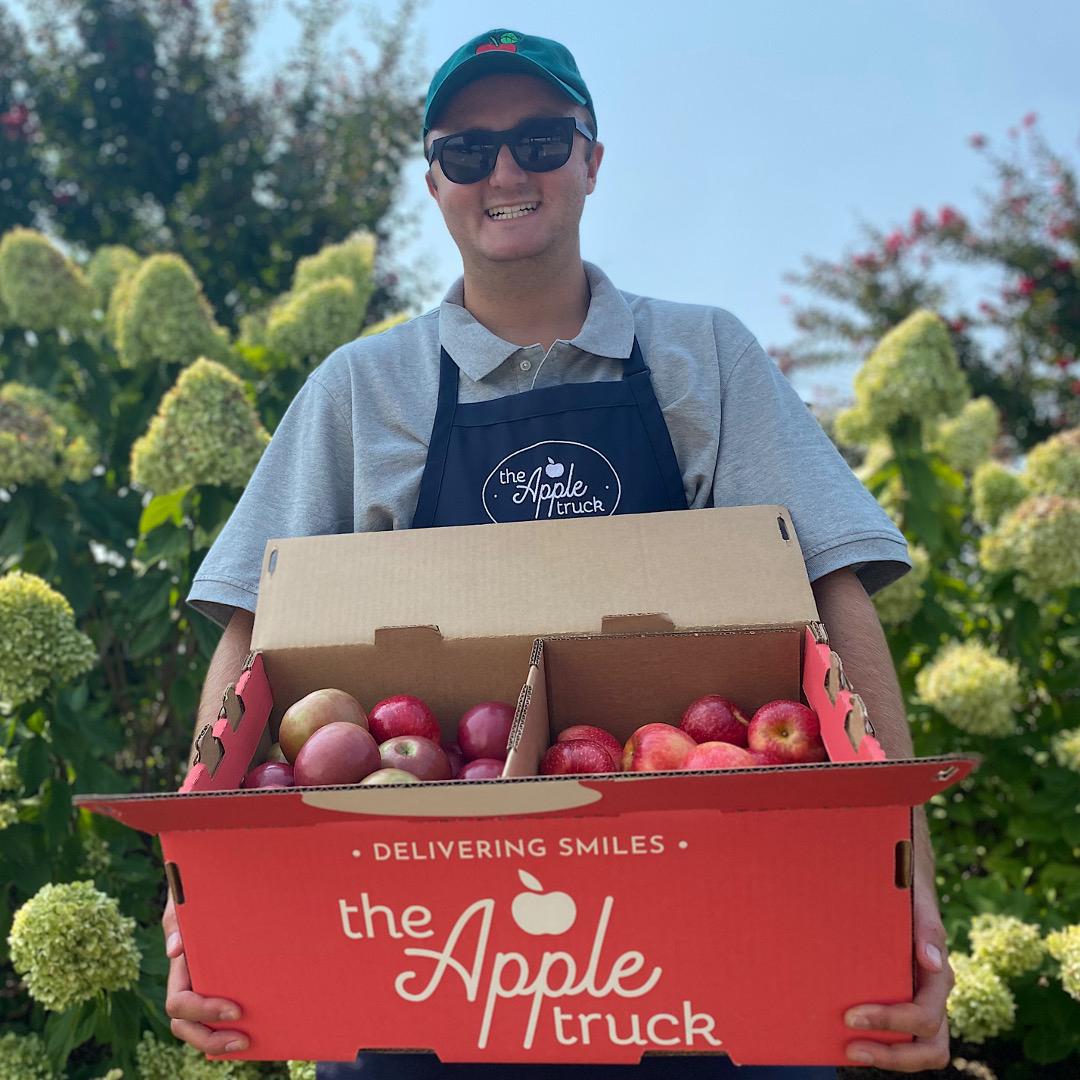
526 365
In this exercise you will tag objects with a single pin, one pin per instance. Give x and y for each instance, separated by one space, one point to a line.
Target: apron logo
554 479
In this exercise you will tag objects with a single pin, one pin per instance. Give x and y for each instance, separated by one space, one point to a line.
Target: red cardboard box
548 919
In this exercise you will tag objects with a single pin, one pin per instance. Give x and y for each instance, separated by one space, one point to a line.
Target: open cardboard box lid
732 566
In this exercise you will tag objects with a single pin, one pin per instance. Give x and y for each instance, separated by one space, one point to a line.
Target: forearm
225 667
855 634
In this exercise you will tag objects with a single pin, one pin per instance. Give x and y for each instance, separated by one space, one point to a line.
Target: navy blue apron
577 450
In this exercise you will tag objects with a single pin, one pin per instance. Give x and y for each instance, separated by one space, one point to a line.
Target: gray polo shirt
349 453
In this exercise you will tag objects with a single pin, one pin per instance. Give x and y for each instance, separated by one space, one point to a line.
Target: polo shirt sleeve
302 486
773 450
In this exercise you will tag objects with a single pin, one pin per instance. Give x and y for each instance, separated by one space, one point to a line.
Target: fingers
191 1012
919 1056
170 927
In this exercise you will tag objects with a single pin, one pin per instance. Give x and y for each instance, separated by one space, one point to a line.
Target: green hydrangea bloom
1064 947
96 855
301 1070
114 1074
105 269
966 440
206 431
1053 467
1010 946
23 1057
9 814
117 305
385 324
972 687
9 772
164 317
42 440
1037 539
898 602
1065 747
157 1060
980 1006
40 644
5 315
70 942
913 371
42 288
314 321
995 491
353 258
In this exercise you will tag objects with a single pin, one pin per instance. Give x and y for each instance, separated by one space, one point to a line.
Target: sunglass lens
466 158
543 146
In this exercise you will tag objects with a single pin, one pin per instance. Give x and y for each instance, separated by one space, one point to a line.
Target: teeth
505 212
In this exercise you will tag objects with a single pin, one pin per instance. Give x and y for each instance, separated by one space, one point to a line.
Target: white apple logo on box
553 469
538 912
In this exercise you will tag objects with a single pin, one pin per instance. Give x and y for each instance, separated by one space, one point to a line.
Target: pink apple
339 753
656 748
484 768
577 756
270 774
314 711
389 776
715 719
483 730
598 735
719 755
455 757
425 759
765 757
789 731
402 714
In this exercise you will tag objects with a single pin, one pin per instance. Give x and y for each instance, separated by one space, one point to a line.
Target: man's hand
191 1012
925 1016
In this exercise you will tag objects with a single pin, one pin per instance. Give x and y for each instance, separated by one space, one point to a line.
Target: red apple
789 731
484 768
656 748
483 730
577 756
715 719
402 714
270 774
314 711
719 755
598 735
765 757
389 776
339 753
455 757
425 759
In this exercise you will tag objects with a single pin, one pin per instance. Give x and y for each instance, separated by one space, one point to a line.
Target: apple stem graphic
529 881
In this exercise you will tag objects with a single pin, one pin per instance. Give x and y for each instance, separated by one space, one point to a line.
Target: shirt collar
608 329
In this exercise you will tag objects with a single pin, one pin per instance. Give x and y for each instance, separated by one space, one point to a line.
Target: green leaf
153 637
162 508
34 763
67 1030
13 537
56 816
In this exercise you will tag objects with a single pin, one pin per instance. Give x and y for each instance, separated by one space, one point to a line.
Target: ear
432 187
593 167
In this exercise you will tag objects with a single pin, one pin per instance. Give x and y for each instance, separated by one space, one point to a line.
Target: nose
507 172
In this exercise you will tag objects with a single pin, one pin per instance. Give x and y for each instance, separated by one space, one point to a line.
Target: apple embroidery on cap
553 469
537 912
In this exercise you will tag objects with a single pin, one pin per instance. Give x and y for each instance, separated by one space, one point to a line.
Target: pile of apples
327 738
712 734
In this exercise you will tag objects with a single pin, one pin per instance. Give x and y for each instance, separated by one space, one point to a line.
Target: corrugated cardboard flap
731 566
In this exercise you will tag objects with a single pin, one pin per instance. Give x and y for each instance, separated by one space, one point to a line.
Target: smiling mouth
508 213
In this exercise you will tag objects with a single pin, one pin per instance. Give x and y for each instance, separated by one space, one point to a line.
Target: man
531 347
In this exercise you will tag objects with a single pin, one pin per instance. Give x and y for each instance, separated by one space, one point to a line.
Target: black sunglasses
541 144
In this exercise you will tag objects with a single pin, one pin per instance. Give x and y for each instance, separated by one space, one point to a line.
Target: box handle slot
208 750
232 707
271 563
903 864
176 886
947 773
783 527
406 635
653 622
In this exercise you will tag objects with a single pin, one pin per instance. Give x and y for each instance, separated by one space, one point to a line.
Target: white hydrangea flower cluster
353 258
69 942
23 1057
995 491
1065 746
980 1006
1053 467
1064 947
1037 539
42 440
9 814
114 1074
898 602
96 856
301 1070
9 772
1010 946
913 371
206 431
42 289
157 1060
40 643
162 316
972 687
966 440
108 266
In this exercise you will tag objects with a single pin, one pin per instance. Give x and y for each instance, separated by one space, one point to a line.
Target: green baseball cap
506 52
